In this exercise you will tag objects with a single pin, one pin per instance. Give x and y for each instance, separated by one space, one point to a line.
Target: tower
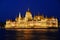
18 19
28 15
19 16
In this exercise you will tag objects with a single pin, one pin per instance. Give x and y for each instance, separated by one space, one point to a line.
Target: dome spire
28 9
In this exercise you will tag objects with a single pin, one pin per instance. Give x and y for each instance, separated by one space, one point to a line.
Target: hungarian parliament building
28 21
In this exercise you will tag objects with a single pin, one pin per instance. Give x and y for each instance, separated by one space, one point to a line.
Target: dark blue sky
9 9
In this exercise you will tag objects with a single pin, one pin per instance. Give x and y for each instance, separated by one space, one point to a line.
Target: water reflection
28 35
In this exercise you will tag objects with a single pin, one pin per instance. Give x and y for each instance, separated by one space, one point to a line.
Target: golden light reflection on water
32 34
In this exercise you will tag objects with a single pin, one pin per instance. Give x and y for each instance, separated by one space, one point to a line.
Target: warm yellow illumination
29 22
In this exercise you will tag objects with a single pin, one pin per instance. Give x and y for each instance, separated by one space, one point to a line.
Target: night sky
9 9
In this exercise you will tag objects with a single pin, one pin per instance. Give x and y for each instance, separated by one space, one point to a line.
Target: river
28 34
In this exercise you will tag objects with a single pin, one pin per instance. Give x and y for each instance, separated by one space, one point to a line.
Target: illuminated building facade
32 22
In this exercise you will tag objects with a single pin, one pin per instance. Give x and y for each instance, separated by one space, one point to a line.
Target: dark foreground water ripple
28 35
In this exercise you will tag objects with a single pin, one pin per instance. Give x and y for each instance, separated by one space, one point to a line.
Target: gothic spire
19 15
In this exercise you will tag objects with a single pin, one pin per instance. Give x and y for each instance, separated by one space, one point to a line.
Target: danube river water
28 34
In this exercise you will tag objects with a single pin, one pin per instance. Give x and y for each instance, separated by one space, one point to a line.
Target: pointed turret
19 15
18 18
